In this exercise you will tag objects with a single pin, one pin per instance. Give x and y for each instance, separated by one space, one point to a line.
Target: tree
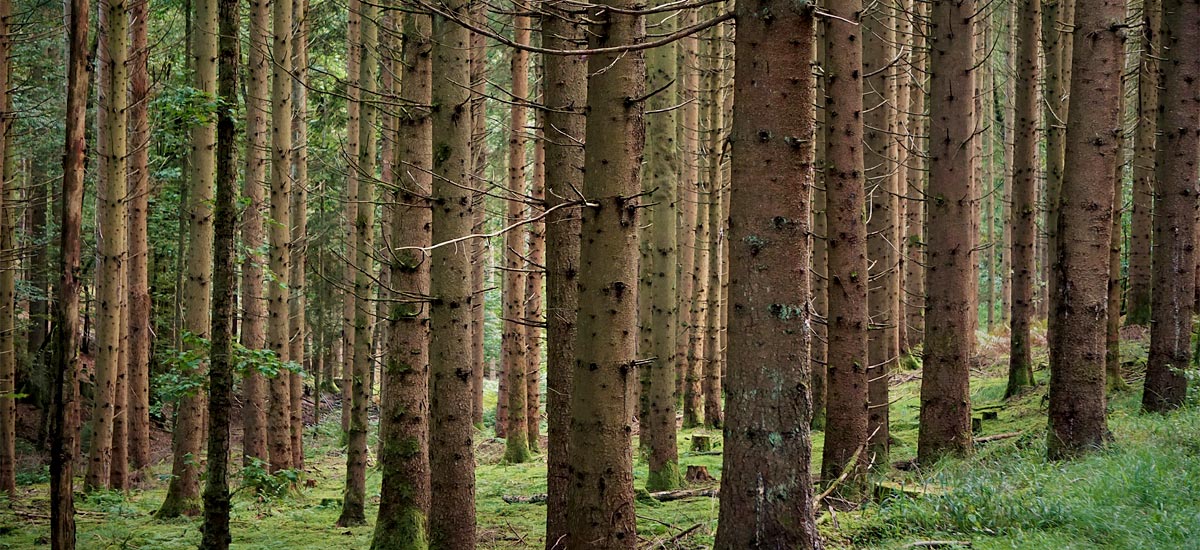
846 239
712 353
534 280
183 492
350 154
600 496
451 456
913 294
1175 209
404 498
1024 194
1139 296
216 535
514 348
768 408
565 94
1077 376
8 268
297 326
950 281
1058 16
279 435
689 141
137 343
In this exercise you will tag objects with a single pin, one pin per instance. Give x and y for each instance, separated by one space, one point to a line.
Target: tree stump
698 474
701 443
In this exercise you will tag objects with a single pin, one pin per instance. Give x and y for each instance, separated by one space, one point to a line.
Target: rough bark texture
819 345
1145 137
404 497
350 155
298 170
279 438
913 294
138 275
600 511
846 238
452 515
1057 37
183 492
1024 194
565 95
949 273
1112 327
1175 209
1080 288
711 348
697 301
480 248
8 269
533 288
688 136
513 346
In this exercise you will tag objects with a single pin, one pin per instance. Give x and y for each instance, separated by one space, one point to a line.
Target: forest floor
1143 491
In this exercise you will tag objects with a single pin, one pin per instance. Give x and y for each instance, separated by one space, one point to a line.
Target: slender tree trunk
1057 20
8 269
819 349
688 136
299 226
254 310
565 96
767 446
600 510
697 301
452 514
1175 209
350 155
1024 193
404 426
914 212
708 363
279 438
1077 380
533 288
1139 298
138 274
514 346
216 535
846 237
111 246
1112 332
480 250
950 311
183 492
1009 122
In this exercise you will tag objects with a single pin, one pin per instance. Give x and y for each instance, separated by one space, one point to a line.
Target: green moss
669 477
404 530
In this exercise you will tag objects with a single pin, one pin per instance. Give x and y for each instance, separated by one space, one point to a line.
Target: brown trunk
279 438
138 275
1024 194
514 346
1175 210
688 136
708 361
914 212
350 155
1057 20
950 312
299 227
480 249
768 409
534 317
8 270
1112 339
1145 135
1079 291
819 266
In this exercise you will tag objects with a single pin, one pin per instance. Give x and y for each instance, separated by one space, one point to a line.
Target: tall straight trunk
1024 194
279 439
1139 298
39 304
354 500
118 473
8 269
404 426
513 347
707 362
900 91
480 251
564 96
215 531
600 496
139 337
254 310
767 446
1057 37
1007 93
299 226
914 211
183 492
950 312
985 185
878 50
819 348
1175 209
65 389
1112 328
697 301
111 232
350 156
846 238
688 138
1077 381
534 316
452 514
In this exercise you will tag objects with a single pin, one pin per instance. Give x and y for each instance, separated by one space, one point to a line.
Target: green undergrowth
1141 492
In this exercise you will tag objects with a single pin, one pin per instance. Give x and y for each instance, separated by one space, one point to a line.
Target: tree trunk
183 492
452 514
1175 210
709 360
846 238
1024 194
914 211
254 311
404 427
1112 332
819 348
1077 381
138 272
533 288
697 301
350 155
480 249
1139 297
688 136
1057 20
600 510
111 245
299 226
565 95
768 409
950 312
8 270
514 348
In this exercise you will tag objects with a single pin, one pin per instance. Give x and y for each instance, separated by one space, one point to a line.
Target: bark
950 313
1024 193
404 426
1175 209
533 288
452 514
600 510
299 226
708 361
111 237
65 396
1009 93
697 301
139 336
480 249
183 492
215 531
254 310
565 94
350 154
279 440
768 408
1145 136
354 500
913 294
688 138
8 269
1078 309
820 253
1112 332
1057 20
846 237
513 346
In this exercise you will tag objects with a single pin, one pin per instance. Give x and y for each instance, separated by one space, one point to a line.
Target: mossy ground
1142 492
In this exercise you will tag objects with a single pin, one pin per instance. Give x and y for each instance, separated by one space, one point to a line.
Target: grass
1141 492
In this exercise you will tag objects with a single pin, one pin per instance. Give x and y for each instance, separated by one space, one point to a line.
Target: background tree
1139 296
1024 194
516 366
279 434
8 268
